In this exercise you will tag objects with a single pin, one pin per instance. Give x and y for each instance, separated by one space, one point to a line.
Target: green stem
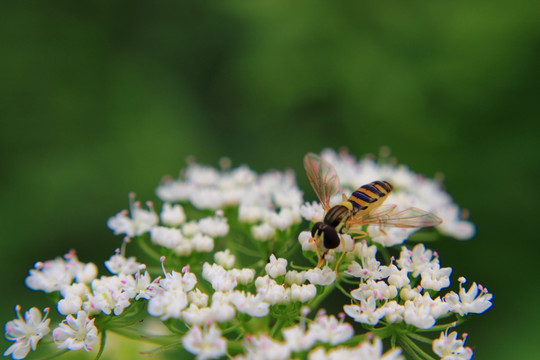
162 348
421 354
245 250
420 338
340 288
135 335
102 344
443 327
327 291
148 249
408 349
277 326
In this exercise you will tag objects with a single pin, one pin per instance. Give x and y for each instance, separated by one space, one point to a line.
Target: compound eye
331 238
316 228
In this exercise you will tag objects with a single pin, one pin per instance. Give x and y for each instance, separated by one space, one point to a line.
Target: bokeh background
101 98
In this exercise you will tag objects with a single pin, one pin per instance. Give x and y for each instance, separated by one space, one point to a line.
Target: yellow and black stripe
367 196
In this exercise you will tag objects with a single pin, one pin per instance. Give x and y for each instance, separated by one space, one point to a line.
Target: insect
363 207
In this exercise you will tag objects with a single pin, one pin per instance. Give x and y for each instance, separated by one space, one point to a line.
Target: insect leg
321 259
362 235
317 242
342 253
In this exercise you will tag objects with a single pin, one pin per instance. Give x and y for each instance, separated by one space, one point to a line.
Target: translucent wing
323 178
381 210
408 218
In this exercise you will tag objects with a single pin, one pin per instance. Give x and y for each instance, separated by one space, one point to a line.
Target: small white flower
52 275
73 298
26 332
201 174
214 226
207 198
303 293
143 286
475 301
119 264
394 312
389 236
141 221
190 228
193 315
202 243
69 305
170 298
221 279
375 351
206 343
295 277
263 232
167 237
330 330
312 211
222 309
86 273
325 276
282 220
417 260
242 276
396 277
453 225
364 350
224 258
174 190
198 298
448 347
76 333
297 339
253 305
419 312
250 213
367 312
436 278
305 240
276 267
265 348
172 215
379 290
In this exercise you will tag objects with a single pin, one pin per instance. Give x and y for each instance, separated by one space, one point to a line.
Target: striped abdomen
369 196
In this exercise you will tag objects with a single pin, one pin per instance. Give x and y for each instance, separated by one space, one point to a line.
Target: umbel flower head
235 266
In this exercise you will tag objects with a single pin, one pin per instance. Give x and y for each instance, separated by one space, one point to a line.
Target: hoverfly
363 207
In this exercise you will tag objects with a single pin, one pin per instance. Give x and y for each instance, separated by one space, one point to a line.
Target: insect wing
323 178
408 218
381 210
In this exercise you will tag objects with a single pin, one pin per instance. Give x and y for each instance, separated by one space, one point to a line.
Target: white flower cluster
448 347
26 332
80 290
410 190
386 291
269 201
174 232
53 275
323 330
177 297
222 301
72 333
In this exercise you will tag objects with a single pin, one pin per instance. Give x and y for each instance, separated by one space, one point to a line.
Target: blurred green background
101 98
